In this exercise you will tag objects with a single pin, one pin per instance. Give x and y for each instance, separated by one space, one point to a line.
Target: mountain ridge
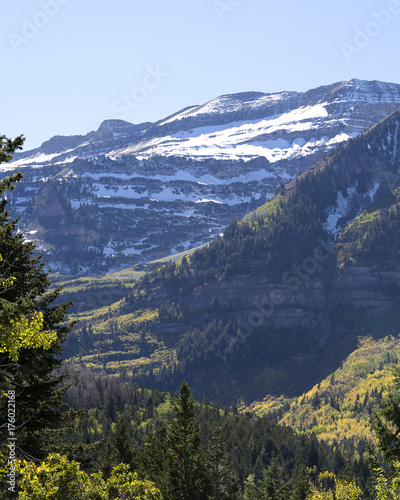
280 299
142 192
227 115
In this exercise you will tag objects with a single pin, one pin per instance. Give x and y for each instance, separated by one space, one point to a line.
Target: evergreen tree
8 147
186 468
107 460
154 458
40 421
122 444
119 449
387 423
301 487
273 487
223 484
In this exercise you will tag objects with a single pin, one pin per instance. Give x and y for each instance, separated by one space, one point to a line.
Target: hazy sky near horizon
68 64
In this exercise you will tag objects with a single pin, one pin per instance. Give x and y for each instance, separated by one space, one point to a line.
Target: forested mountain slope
281 299
341 408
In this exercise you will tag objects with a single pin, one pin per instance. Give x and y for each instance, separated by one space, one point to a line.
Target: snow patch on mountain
229 104
372 192
339 212
345 206
238 140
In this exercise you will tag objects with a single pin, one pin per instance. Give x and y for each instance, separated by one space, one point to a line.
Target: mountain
340 409
132 193
275 304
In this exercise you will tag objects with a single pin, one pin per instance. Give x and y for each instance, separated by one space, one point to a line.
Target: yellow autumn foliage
25 333
342 405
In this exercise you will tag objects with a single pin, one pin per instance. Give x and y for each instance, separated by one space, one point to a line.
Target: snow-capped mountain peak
127 193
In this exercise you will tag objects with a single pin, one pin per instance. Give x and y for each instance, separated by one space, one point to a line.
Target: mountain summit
131 193
276 303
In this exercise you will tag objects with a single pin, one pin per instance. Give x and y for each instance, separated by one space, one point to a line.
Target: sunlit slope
341 407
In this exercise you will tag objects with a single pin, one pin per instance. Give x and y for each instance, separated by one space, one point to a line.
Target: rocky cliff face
132 193
286 320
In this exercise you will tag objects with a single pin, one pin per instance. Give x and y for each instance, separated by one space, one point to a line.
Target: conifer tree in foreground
119 449
176 461
40 423
387 422
387 429
223 484
186 467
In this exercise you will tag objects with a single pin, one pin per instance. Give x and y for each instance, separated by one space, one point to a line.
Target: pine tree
272 486
118 450
154 458
40 421
301 488
223 484
387 423
122 444
186 467
107 460
8 147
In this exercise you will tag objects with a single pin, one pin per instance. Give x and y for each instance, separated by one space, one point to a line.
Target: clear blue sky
65 71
